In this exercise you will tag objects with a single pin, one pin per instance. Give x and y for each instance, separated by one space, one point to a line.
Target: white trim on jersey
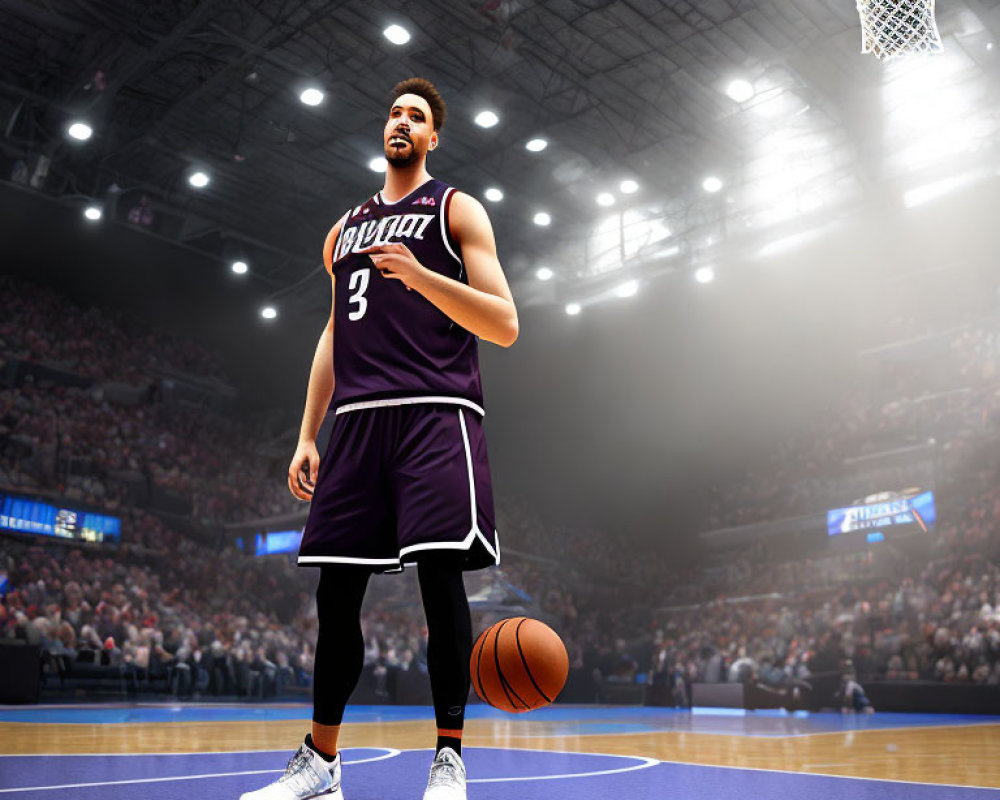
444 224
466 543
409 401
346 560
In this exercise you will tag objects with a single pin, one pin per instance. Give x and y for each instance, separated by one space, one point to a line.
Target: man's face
409 132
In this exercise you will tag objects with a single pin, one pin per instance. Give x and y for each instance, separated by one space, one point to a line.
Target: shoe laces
445 771
296 771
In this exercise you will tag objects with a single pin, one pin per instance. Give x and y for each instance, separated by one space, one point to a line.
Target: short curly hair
427 90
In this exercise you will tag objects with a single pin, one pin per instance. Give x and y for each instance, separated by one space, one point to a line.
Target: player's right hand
303 470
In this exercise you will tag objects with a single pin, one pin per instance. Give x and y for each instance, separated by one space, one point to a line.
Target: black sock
449 741
314 748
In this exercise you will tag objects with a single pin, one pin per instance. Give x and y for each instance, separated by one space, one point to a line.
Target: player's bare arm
484 307
304 468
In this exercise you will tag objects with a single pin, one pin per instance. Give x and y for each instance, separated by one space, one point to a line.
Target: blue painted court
372 774
382 773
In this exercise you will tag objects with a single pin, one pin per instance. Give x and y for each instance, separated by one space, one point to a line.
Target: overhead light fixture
486 119
704 275
605 199
542 218
536 145
740 90
628 289
378 164
573 309
80 131
240 267
629 187
711 184
199 179
93 213
269 312
544 274
312 96
494 195
396 34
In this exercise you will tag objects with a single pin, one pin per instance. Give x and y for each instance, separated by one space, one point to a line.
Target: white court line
830 775
646 763
390 753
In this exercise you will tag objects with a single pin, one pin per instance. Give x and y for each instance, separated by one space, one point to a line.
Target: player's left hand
396 261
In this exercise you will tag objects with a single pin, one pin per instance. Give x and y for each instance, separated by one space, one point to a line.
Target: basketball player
405 480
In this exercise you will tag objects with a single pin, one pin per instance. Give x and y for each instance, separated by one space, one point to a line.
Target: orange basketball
519 664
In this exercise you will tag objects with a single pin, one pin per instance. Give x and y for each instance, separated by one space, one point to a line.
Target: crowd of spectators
41 325
159 605
75 442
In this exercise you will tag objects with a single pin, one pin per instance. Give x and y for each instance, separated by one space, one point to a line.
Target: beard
397 159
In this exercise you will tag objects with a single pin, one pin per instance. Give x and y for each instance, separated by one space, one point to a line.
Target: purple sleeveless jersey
390 344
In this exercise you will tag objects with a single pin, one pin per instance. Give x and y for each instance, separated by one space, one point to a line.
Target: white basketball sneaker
306 775
447 781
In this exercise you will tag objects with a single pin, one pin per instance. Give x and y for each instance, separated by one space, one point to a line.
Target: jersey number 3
359 285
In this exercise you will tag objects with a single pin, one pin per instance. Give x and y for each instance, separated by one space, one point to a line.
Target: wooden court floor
964 752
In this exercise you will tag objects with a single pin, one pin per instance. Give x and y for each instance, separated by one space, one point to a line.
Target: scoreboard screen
915 512
33 516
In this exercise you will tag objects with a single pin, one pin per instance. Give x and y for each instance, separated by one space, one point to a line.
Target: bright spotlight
494 195
544 274
711 184
93 213
486 119
378 164
269 312
536 145
573 309
740 90
80 131
396 34
312 96
199 179
605 199
704 275
542 218
628 289
240 267
629 187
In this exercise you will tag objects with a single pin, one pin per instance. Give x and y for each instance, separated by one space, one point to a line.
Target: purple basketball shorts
400 481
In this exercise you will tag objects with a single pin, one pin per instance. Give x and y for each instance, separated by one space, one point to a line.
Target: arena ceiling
621 90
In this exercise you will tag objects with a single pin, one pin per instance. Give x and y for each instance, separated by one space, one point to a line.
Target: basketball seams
479 661
503 681
520 652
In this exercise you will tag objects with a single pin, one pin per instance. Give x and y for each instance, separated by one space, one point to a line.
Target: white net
892 28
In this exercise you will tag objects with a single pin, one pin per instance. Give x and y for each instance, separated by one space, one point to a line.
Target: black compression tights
340 646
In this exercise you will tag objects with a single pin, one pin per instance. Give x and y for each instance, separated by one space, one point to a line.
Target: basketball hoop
891 28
